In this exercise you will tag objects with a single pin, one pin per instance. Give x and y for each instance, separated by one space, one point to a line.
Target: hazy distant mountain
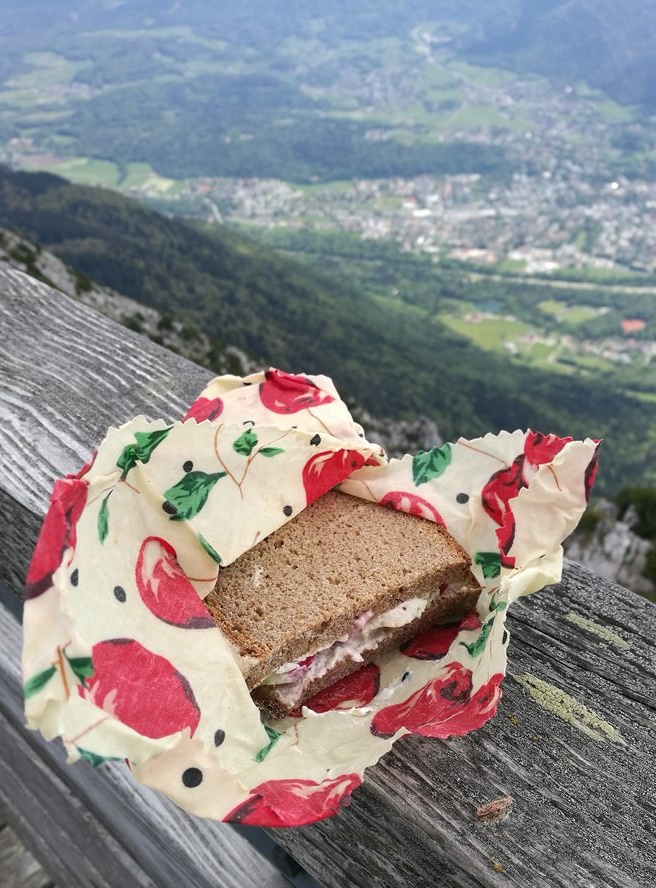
608 44
603 42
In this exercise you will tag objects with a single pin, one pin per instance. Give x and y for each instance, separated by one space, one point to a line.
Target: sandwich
345 581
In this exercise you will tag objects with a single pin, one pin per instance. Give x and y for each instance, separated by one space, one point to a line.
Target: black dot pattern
75 577
219 737
287 510
316 440
187 466
462 498
120 594
169 508
192 777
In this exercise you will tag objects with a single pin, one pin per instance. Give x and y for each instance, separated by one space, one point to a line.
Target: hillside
605 44
122 92
395 359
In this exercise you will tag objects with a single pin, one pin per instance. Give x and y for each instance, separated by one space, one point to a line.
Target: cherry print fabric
122 661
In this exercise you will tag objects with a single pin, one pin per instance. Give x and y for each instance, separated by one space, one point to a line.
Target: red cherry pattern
432 644
141 688
58 533
288 392
165 589
357 689
444 707
86 467
471 621
204 408
503 486
540 449
294 802
591 472
326 468
412 504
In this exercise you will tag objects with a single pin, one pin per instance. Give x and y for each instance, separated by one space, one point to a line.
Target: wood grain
66 375
584 809
18 868
573 743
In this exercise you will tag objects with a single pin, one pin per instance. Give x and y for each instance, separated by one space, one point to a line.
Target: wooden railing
573 742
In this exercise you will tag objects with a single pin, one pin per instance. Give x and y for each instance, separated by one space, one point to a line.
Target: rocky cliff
609 546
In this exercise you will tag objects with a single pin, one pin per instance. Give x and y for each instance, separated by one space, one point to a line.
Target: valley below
473 219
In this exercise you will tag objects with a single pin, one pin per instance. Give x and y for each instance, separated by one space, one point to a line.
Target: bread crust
305 585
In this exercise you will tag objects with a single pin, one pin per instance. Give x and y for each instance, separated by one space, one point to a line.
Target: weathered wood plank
99 827
51 416
18 868
66 375
582 780
584 811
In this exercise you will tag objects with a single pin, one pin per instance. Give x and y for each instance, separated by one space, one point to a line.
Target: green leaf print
209 548
146 442
476 647
34 684
273 739
103 519
94 759
496 605
245 443
186 498
271 451
81 666
429 464
489 562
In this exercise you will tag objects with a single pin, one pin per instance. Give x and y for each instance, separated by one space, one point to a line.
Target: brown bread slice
304 585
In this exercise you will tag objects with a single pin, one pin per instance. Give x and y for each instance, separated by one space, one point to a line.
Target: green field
567 314
85 171
648 397
529 344
491 334
141 174
49 72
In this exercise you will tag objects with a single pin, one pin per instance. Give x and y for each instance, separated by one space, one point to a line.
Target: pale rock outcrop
612 549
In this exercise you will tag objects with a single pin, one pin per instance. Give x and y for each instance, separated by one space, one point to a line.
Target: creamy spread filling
366 632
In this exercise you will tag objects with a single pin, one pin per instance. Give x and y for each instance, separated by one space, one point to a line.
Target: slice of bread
305 585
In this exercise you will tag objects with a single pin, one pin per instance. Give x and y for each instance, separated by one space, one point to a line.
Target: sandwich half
343 582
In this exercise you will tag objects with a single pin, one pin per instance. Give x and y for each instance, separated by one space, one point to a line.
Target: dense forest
392 356
245 126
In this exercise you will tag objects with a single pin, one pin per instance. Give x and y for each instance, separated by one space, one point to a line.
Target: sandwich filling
365 634
277 602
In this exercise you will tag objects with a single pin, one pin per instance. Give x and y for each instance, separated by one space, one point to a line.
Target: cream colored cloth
121 659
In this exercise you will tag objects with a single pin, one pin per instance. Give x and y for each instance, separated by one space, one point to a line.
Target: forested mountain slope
396 360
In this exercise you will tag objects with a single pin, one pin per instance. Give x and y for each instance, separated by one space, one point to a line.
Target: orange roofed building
633 325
